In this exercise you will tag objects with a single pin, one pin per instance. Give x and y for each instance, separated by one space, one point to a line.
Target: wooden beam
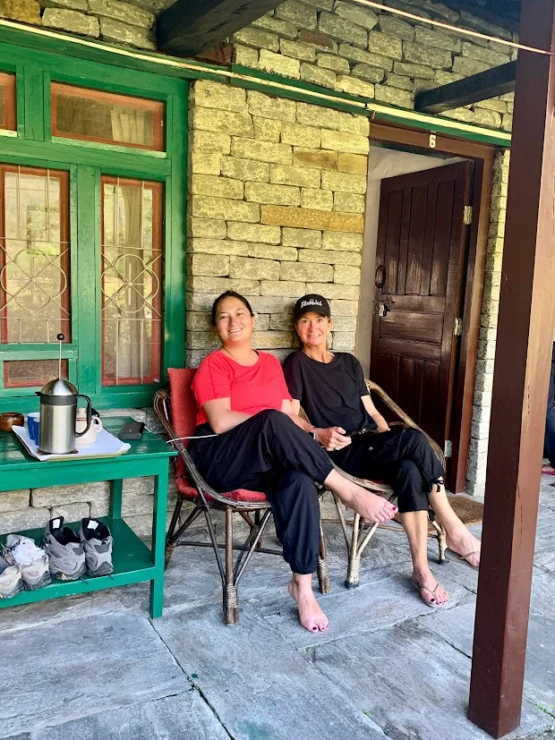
522 357
190 26
489 84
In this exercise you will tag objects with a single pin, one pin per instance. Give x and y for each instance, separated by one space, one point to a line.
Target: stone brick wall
347 47
129 23
276 209
476 476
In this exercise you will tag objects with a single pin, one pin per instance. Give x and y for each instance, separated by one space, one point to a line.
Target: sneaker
11 582
32 561
98 544
65 551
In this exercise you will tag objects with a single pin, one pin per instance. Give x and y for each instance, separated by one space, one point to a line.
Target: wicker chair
359 537
176 410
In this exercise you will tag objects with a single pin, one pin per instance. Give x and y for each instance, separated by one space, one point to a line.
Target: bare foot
430 590
311 616
466 545
371 507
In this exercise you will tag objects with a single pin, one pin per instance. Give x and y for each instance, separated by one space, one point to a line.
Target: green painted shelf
133 562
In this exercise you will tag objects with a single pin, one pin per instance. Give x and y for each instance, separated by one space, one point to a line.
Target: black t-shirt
330 393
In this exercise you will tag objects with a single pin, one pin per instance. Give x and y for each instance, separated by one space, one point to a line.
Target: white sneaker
32 561
11 582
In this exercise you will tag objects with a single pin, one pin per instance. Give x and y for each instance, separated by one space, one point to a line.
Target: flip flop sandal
463 558
420 588
548 470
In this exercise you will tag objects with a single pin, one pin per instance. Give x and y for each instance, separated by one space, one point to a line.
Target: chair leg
353 569
231 604
323 571
170 541
441 541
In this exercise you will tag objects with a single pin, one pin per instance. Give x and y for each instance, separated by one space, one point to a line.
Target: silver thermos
58 409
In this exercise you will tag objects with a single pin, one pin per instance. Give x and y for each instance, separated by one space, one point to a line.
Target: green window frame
32 145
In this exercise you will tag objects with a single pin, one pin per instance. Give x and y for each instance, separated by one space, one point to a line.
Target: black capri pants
403 458
270 453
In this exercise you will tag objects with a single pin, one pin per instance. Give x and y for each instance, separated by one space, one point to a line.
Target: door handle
382 308
379 278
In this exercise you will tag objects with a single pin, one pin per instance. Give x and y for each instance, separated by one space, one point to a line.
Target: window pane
34 255
7 101
78 113
31 373
131 281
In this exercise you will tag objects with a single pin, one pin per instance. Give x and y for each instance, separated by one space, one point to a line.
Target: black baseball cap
311 303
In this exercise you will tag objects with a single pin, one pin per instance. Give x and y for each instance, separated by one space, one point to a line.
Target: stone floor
97 668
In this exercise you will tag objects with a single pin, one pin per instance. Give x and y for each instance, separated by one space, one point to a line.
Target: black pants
270 453
549 444
403 458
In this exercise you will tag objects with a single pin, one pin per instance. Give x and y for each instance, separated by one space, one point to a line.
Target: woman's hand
332 438
384 426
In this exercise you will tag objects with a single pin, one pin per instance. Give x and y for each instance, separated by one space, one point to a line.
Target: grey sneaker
31 560
65 551
98 544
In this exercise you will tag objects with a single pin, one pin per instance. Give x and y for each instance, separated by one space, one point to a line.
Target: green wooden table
133 560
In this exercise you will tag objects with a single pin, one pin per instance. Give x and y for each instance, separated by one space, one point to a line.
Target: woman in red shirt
261 444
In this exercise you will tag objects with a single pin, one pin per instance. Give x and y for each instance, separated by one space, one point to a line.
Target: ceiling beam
489 84
190 26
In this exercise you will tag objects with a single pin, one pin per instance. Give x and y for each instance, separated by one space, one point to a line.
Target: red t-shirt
251 389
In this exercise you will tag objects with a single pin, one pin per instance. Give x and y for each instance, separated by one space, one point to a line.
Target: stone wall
109 20
277 198
476 476
367 52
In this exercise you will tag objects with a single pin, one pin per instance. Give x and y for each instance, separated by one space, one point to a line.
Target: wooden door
420 259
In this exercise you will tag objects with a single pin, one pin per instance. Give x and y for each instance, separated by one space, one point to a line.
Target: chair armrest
405 418
161 406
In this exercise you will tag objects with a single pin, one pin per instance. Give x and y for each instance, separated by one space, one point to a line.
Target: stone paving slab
57 611
192 578
82 667
182 717
457 628
370 607
411 683
259 686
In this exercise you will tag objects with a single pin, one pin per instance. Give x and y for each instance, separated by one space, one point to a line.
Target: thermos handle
89 415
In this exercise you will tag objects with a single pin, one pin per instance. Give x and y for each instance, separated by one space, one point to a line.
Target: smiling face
313 329
234 322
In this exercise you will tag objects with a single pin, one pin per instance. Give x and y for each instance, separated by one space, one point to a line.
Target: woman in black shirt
331 389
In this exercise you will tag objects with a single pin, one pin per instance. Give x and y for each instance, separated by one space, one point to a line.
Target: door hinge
457 331
467 218
448 449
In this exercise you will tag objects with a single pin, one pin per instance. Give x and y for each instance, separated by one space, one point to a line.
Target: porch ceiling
501 12
189 26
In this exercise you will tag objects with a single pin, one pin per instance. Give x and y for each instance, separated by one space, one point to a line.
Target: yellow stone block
315 158
306 218
341 141
353 164
26 11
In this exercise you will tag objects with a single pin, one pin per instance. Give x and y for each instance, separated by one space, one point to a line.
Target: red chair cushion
184 418
241 494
